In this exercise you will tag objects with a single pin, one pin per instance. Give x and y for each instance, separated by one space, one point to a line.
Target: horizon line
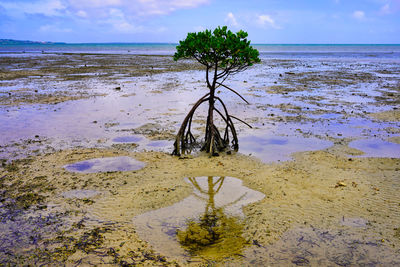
176 43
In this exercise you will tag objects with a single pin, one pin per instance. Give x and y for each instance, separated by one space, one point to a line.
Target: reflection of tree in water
215 235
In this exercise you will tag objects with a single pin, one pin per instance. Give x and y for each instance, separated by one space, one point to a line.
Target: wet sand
316 193
324 152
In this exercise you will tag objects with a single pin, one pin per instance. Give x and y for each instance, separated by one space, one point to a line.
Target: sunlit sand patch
313 191
82 193
394 139
324 247
391 115
354 222
301 192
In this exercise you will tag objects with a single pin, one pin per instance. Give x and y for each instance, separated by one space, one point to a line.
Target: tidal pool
127 139
160 144
207 224
270 148
111 164
377 148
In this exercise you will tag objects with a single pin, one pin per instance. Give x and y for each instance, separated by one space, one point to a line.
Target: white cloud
137 7
122 16
386 9
179 4
358 14
42 7
263 19
266 20
119 23
231 20
81 4
125 27
393 6
81 14
54 28
99 8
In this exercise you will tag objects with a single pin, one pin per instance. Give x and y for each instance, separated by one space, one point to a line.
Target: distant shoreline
25 42
360 51
29 42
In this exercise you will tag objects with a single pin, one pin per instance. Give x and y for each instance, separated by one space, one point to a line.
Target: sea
367 51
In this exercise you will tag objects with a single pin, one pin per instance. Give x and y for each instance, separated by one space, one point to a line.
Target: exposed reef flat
324 150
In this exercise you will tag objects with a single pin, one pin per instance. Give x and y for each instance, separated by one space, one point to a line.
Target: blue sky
268 21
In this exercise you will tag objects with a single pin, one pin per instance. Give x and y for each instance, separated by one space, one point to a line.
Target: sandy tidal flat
323 151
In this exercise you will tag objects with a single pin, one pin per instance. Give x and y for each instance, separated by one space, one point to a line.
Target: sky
168 21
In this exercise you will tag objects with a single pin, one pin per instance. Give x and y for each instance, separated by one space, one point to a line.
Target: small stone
186 156
340 184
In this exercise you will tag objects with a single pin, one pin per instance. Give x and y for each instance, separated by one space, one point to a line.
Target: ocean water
369 51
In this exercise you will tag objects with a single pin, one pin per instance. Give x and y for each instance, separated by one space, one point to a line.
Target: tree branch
242 121
223 85
207 79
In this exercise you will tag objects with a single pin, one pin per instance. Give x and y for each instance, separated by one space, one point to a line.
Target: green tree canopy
220 49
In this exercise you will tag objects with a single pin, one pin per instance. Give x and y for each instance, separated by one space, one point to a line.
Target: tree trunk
210 128
213 141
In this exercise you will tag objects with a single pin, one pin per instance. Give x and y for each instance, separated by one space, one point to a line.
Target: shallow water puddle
207 224
162 144
270 148
127 139
377 148
110 164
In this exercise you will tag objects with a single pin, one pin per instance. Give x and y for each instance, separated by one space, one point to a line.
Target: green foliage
220 48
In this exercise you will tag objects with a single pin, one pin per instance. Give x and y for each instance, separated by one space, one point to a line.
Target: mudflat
323 152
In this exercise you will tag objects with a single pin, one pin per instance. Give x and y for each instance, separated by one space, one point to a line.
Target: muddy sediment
391 115
316 192
334 201
37 79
